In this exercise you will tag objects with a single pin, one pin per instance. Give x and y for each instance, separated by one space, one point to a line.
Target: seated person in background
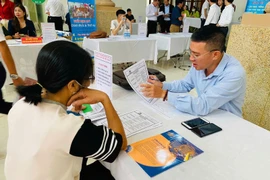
195 13
185 11
54 144
219 79
119 25
20 26
5 31
130 16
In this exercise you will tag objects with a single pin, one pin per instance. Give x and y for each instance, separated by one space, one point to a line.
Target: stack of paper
135 122
94 112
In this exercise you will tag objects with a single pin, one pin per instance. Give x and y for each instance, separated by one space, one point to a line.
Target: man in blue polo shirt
176 19
219 78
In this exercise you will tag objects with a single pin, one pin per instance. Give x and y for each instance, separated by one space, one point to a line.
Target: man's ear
217 55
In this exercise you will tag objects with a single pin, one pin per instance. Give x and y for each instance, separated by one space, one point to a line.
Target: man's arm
115 29
205 13
209 17
149 14
6 55
227 89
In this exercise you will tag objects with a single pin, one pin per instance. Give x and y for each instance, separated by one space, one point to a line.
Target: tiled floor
166 67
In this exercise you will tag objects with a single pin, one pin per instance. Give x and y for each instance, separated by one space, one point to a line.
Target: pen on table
187 157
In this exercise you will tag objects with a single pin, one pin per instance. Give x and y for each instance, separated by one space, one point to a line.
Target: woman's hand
87 96
17 35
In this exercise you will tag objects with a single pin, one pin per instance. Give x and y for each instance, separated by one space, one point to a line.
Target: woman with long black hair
20 26
47 143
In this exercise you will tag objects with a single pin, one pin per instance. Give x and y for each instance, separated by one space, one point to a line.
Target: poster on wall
82 18
256 6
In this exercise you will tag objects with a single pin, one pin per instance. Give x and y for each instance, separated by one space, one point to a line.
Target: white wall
137 6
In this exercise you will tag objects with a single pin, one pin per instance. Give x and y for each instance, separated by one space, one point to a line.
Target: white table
193 22
173 43
241 151
25 57
123 49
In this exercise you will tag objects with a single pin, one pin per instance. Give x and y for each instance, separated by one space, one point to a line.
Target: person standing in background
194 13
6 12
8 60
214 13
26 8
177 19
221 5
165 20
204 12
56 13
185 11
130 16
226 17
152 14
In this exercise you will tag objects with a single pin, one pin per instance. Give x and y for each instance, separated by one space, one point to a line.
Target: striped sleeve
97 142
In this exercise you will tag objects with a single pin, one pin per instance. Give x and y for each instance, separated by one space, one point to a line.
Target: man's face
129 13
166 2
200 56
155 3
120 16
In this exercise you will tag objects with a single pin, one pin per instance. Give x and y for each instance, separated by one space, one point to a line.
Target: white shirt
167 11
2 36
213 15
226 16
55 8
204 6
41 142
151 11
114 25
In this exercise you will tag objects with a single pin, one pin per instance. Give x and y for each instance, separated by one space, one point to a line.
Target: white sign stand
48 32
103 72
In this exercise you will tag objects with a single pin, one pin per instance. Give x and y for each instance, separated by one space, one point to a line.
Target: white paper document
136 75
135 122
48 32
103 72
97 113
142 29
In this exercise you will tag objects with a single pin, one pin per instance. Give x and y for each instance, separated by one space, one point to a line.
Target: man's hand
18 82
180 18
156 14
218 25
152 91
154 80
87 96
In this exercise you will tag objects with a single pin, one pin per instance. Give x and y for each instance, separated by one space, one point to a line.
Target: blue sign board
256 6
82 18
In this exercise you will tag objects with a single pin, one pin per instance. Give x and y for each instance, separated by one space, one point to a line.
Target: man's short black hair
120 11
179 2
212 36
230 1
213 1
128 10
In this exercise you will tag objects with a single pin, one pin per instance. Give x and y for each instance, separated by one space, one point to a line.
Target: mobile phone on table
206 129
193 123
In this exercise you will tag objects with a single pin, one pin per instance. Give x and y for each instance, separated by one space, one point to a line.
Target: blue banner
256 6
82 18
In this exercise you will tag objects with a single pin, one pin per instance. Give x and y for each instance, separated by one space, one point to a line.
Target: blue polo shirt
223 89
176 13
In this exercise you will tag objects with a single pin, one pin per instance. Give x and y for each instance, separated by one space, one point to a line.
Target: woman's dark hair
120 11
17 2
212 36
58 63
15 22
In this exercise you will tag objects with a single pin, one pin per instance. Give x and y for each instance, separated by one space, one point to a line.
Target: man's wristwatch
14 76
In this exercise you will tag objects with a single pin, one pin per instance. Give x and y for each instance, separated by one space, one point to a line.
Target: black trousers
224 30
58 22
4 106
165 26
151 27
202 22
